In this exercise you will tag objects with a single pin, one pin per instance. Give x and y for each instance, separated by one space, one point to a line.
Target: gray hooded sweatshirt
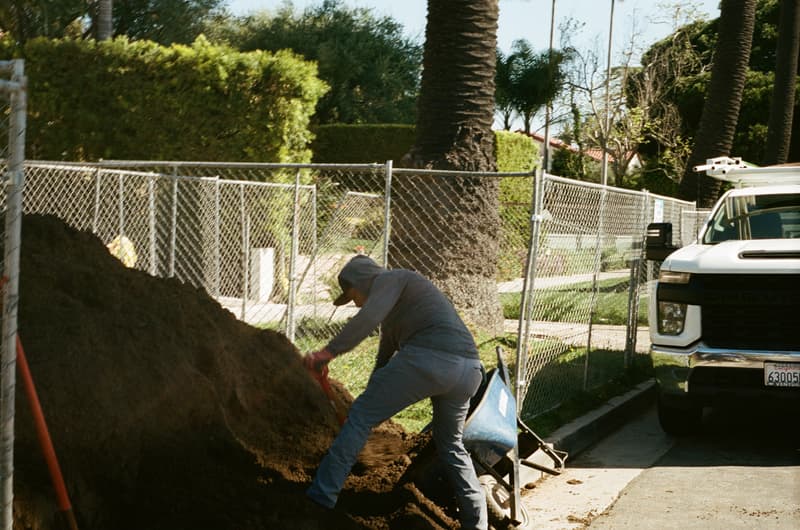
409 309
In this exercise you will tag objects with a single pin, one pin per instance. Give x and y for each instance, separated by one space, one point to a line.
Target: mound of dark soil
167 412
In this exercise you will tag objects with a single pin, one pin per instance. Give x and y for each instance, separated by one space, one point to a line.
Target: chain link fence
257 238
585 302
267 241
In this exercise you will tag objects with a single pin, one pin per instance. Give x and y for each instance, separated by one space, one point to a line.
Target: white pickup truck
725 311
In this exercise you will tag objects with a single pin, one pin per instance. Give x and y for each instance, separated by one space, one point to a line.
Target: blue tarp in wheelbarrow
494 436
490 431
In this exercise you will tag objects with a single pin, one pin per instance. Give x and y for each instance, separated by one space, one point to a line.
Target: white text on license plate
782 374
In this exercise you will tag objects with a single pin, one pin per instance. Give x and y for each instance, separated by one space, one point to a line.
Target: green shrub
379 142
515 153
138 100
364 143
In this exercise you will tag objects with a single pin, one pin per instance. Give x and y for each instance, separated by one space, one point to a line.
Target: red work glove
317 361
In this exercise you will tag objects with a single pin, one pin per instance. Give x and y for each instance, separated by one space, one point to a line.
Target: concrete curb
581 433
584 432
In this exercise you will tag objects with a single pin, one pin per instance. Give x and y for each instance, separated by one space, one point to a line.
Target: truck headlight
671 318
674 277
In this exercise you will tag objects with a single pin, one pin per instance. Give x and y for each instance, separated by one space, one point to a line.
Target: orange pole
44 440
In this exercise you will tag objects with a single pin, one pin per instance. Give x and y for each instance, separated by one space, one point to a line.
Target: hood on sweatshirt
358 273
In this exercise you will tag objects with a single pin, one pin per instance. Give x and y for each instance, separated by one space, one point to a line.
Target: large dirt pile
167 412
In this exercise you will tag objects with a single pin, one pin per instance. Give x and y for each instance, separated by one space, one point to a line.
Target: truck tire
679 420
498 503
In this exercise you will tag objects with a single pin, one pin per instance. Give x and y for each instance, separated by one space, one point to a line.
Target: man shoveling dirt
425 351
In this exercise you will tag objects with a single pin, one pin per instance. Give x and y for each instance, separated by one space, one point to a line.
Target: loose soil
167 412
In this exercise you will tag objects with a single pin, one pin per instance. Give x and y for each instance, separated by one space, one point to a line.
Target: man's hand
317 361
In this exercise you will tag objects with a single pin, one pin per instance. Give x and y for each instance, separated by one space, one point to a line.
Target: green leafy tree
666 145
371 67
26 19
502 93
162 21
704 37
536 78
447 227
568 162
724 98
686 84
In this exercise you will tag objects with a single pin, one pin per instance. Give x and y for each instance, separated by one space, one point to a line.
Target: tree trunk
723 98
447 227
779 132
104 20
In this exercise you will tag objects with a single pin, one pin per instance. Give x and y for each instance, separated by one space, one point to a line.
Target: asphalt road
741 471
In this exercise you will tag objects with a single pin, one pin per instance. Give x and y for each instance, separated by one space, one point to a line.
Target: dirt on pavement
168 412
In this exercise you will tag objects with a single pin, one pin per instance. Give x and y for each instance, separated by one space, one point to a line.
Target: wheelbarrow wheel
498 503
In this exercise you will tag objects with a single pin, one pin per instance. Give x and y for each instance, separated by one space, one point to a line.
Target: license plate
782 374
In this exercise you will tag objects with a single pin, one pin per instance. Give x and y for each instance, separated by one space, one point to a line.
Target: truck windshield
755 217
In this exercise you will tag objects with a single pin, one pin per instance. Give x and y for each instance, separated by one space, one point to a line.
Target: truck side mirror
658 243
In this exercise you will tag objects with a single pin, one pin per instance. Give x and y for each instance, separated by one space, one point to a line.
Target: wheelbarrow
498 442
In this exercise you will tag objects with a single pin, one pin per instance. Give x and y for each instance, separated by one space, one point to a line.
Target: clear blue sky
524 19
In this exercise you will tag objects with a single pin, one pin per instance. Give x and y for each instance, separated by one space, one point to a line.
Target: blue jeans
412 375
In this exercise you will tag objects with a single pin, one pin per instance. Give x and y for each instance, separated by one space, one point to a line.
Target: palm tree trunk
104 19
723 99
779 131
446 227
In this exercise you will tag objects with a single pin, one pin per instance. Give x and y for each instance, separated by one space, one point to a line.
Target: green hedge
377 143
361 144
515 152
138 100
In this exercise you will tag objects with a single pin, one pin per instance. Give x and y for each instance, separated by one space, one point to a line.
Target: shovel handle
322 379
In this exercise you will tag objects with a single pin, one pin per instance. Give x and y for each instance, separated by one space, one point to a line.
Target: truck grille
751 311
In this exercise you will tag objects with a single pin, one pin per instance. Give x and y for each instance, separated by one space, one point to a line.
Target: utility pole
607 131
548 107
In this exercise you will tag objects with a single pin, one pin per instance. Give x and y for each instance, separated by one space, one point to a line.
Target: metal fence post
314 244
151 204
290 316
387 209
15 183
96 216
245 220
595 282
529 279
121 208
633 288
648 217
525 317
173 223
217 242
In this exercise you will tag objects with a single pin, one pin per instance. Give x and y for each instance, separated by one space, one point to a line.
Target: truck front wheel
679 419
